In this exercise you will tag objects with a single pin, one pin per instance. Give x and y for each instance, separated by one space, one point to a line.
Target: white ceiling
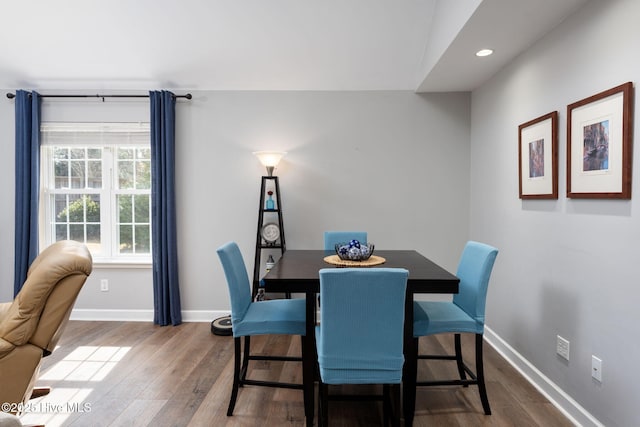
421 45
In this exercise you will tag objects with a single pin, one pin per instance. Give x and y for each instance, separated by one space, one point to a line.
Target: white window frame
108 136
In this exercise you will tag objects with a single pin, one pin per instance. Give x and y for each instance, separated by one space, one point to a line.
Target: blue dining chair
333 237
360 338
281 316
465 314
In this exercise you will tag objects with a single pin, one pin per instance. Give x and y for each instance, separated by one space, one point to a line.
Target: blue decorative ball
354 244
354 253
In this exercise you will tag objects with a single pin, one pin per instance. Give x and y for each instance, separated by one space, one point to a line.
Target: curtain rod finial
11 95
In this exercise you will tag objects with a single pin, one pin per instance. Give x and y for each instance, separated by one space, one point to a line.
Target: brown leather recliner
31 325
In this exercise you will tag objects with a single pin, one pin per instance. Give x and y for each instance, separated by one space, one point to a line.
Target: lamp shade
269 159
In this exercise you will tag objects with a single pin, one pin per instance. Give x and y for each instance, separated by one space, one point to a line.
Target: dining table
297 272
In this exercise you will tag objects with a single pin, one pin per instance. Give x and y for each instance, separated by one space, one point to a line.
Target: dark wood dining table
297 272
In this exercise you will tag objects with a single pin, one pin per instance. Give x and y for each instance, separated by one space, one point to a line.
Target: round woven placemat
373 260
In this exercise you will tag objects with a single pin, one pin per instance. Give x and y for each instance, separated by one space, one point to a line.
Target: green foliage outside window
81 211
76 210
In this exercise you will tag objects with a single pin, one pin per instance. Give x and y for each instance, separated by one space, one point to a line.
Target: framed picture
538 157
599 145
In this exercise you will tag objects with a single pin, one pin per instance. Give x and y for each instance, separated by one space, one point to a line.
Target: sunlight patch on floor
85 364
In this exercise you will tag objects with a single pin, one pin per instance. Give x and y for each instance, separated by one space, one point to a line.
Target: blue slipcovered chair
283 316
465 314
333 237
360 338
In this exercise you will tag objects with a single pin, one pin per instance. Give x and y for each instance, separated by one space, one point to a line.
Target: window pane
75 209
76 232
61 173
143 153
77 174
77 153
94 153
125 175
60 153
92 206
61 232
126 239
93 233
143 174
60 202
125 153
125 209
94 178
141 208
143 240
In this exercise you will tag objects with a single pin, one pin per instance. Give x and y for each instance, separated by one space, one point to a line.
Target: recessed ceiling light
484 52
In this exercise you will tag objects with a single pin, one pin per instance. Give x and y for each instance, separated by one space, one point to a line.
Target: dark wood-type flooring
138 374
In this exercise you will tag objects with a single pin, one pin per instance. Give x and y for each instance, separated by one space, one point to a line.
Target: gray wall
395 164
392 163
565 266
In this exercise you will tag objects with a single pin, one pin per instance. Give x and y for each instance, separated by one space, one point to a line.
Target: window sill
122 264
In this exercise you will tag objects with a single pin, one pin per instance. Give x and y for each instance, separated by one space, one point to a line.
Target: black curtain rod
13 95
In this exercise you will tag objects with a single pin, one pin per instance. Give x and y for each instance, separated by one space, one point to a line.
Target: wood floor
137 374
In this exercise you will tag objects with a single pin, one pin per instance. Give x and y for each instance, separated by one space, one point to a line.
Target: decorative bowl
354 250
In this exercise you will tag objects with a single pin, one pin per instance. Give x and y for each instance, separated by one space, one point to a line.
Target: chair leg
391 406
459 361
396 404
480 376
245 359
386 404
323 404
236 374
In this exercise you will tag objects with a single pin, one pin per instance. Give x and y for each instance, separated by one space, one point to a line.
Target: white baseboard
112 315
203 315
143 315
569 407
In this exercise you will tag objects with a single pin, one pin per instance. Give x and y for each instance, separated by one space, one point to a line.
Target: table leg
309 358
410 368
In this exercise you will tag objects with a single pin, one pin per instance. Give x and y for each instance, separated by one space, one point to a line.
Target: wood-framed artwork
599 138
538 157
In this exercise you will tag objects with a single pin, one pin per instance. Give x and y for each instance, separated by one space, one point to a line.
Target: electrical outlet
596 368
562 347
104 285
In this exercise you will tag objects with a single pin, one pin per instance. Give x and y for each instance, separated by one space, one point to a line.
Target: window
96 188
